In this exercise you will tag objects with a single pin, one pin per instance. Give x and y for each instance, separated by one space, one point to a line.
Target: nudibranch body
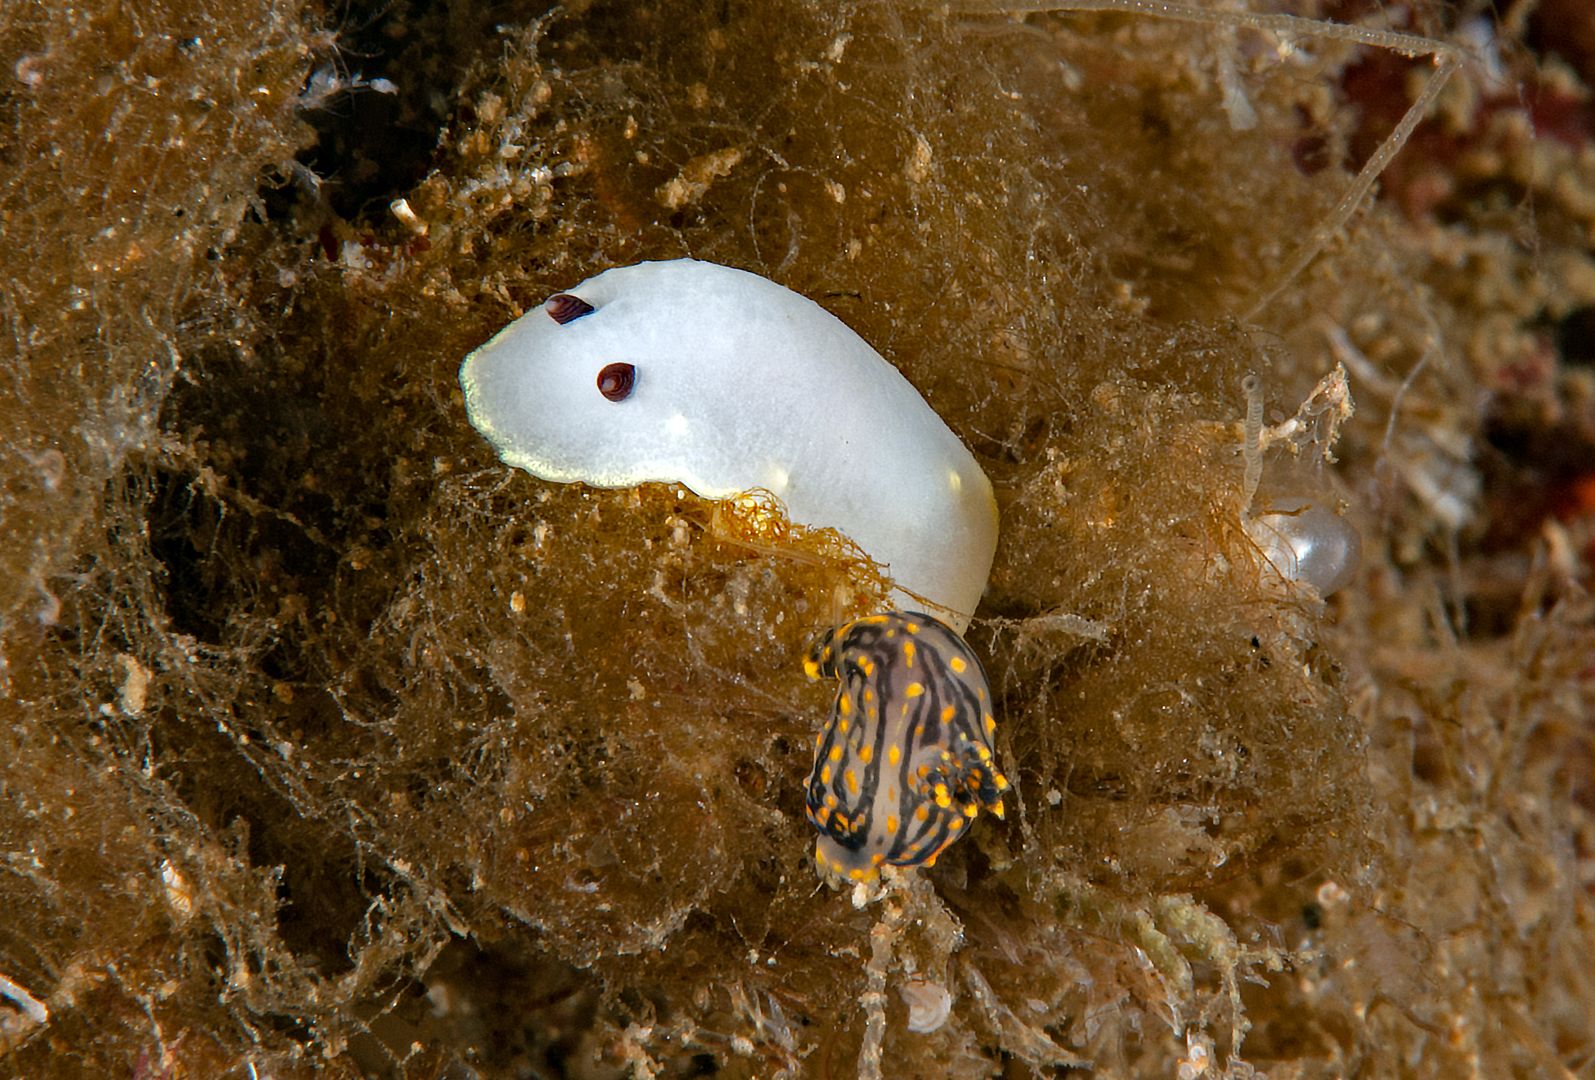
692 373
906 761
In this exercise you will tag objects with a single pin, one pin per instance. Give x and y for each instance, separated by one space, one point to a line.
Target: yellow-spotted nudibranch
691 373
905 762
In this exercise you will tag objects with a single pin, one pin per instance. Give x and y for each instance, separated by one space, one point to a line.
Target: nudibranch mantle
905 761
723 381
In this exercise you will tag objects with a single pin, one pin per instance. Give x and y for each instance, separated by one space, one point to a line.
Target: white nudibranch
717 379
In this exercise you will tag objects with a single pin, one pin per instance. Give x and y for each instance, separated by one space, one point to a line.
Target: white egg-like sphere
720 380
1306 541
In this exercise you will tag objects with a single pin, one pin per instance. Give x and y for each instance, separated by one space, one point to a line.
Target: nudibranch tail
905 761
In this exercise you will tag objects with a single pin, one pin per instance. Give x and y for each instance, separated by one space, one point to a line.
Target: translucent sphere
1306 541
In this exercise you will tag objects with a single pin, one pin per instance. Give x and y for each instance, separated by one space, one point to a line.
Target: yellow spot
876 859
912 628
991 724
856 875
869 695
836 753
825 774
844 704
894 754
996 807
970 810
822 815
921 812
811 668
873 620
866 665
866 754
955 824
908 653
830 801
818 740
851 778
1001 781
957 664
948 713
891 824
825 653
914 689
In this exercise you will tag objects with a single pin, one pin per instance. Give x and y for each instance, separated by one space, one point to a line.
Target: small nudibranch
717 379
905 762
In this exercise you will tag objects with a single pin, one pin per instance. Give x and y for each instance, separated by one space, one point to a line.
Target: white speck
28 73
49 609
928 1004
441 996
179 893
918 168
31 1006
134 691
51 467
407 216
677 425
